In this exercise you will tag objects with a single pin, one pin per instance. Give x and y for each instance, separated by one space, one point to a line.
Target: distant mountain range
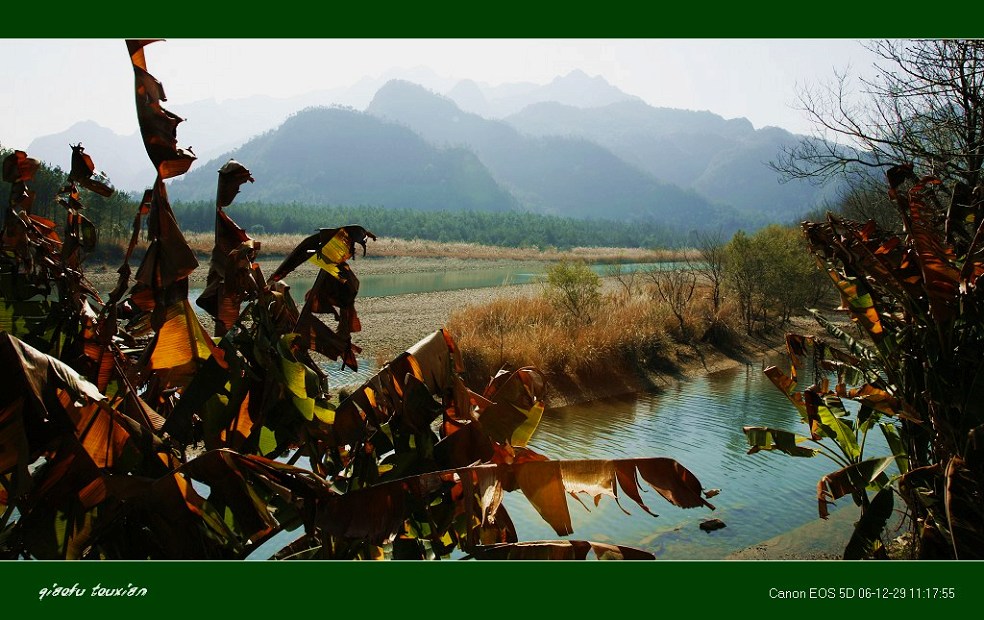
123 158
576 146
725 161
575 89
341 156
557 175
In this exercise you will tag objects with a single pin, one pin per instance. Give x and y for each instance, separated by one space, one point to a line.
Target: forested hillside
341 156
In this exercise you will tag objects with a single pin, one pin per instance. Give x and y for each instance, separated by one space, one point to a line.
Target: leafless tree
710 263
924 106
625 277
869 200
675 287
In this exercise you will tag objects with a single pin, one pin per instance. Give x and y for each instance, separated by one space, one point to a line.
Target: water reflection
698 423
339 376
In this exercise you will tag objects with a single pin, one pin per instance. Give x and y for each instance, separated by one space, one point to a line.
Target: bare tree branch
924 106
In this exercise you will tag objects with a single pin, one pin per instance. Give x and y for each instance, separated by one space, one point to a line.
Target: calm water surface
697 422
382 285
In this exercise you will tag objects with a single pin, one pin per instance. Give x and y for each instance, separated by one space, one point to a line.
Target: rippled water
699 424
338 376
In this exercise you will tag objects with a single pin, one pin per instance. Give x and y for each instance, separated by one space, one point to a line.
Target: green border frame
501 19
486 589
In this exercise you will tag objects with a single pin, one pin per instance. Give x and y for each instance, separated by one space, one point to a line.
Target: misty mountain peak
579 76
576 89
405 88
468 95
90 126
395 96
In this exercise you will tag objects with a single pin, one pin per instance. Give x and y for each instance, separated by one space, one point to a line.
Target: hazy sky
55 83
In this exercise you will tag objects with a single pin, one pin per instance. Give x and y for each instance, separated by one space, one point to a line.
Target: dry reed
622 335
282 244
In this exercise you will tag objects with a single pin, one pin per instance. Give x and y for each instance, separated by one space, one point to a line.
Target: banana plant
914 367
834 432
127 431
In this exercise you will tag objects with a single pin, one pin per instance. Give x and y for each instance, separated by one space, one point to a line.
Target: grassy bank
629 342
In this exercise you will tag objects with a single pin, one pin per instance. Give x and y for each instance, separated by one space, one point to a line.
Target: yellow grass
627 337
281 244
622 334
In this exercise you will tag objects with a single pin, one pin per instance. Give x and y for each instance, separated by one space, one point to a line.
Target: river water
697 422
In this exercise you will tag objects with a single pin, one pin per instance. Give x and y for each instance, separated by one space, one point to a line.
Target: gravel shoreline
392 324
816 540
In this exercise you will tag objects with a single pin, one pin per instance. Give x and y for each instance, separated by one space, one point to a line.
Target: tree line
510 229
111 215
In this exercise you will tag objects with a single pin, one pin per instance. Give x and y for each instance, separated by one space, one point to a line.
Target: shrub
575 289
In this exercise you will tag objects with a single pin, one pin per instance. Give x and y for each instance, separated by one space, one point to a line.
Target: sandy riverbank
392 324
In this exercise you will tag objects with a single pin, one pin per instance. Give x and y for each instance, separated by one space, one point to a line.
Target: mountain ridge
336 155
558 175
609 155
